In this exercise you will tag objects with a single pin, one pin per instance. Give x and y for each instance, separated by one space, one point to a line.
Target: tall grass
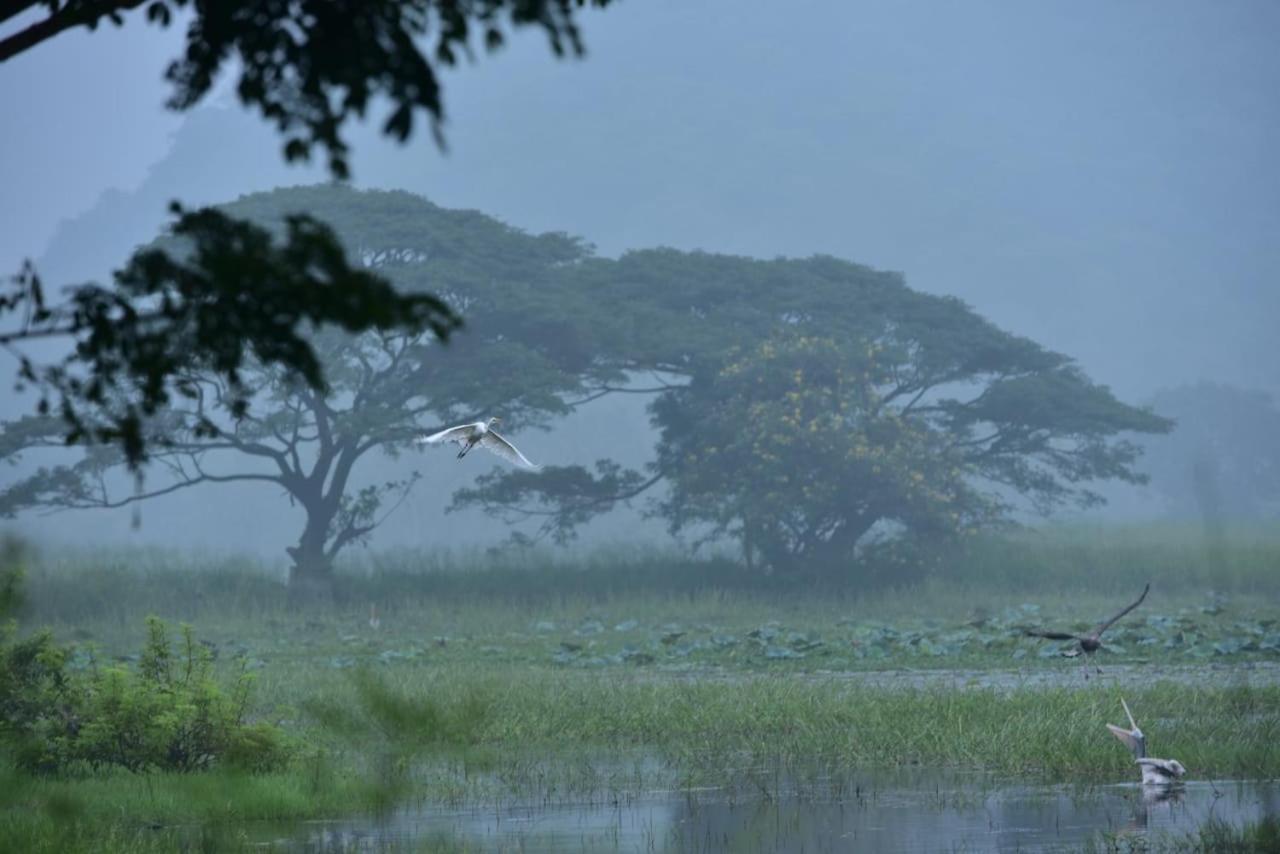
1062 562
1051 734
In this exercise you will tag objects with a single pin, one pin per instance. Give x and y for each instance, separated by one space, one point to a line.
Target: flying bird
1155 772
479 433
1090 643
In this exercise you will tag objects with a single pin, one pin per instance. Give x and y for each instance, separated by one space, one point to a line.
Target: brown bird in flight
1092 642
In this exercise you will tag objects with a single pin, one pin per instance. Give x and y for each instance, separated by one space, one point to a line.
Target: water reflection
897 811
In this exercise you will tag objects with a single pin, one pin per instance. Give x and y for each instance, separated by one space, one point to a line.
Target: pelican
1092 642
479 433
1155 772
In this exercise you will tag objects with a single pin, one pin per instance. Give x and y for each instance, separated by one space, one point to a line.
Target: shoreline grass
580 740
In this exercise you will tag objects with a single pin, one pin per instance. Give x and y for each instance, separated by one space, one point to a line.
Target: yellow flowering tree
792 448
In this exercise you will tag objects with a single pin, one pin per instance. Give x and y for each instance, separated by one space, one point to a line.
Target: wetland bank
535 704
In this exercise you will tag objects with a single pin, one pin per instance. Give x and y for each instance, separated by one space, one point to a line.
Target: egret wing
460 434
500 446
1133 739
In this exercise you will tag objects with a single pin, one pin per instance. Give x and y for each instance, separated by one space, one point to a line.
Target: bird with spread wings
479 433
1155 772
1091 642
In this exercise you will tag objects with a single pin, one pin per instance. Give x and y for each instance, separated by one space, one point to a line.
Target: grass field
616 672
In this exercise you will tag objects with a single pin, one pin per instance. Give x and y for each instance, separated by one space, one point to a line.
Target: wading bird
1155 772
480 433
1090 643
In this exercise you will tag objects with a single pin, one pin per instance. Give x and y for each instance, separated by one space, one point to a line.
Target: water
891 811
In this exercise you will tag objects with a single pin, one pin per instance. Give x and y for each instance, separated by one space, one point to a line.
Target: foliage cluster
310 66
61 710
218 296
790 446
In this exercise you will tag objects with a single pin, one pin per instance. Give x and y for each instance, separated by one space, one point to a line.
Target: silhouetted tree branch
308 66
223 292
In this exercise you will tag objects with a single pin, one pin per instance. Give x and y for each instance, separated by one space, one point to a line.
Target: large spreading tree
308 67
379 388
810 407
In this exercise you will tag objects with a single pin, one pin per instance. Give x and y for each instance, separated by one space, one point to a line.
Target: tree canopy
802 407
803 403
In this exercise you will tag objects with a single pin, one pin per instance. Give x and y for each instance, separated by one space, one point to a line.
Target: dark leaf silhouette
219 292
308 66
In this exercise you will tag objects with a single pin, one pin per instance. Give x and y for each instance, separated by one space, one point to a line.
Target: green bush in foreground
169 713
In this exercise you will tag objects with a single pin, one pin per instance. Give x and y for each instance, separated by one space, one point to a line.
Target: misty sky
1102 177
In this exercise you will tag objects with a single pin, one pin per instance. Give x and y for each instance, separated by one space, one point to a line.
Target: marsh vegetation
433 684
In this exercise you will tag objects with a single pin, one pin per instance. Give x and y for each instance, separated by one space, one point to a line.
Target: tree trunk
831 558
835 557
778 556
312 571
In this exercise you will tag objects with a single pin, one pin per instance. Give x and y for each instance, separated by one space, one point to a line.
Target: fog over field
1102 178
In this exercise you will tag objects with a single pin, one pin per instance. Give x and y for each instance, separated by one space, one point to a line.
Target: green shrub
167 713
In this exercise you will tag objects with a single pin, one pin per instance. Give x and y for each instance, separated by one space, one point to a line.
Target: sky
1102 177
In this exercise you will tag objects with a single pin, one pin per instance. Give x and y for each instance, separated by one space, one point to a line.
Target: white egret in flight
479 433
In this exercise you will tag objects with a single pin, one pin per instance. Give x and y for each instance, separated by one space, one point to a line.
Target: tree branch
348 535
106 504
597 392
582 505
11 8
85 14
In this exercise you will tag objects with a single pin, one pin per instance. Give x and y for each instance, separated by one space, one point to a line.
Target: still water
893 811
